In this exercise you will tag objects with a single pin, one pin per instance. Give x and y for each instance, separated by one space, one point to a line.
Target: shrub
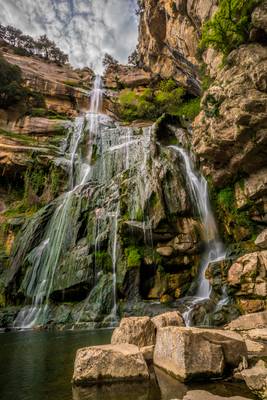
190 109
133 257
11 89
230 25
152 103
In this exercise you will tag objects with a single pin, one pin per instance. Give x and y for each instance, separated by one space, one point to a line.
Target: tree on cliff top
26 45
230 25
109 61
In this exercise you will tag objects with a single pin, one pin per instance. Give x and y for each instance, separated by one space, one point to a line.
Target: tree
134 58
109 61
26 45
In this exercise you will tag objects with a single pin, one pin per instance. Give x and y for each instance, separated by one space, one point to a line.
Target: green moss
139 215
103 261
230 25
231 218
134 257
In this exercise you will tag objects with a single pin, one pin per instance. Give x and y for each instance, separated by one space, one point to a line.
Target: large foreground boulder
172 318
249 321
191 353
109 363
139 331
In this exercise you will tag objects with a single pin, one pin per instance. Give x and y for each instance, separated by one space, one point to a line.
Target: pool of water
39 366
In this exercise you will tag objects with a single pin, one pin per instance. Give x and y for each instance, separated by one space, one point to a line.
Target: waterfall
45 257
214 250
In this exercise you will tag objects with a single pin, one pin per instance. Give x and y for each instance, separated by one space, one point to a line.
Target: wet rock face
169 33
109 363
176 349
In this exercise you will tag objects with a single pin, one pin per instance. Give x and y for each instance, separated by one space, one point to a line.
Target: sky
84 29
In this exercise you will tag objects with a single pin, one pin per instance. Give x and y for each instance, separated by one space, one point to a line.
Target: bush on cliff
166 98
230 25
11 89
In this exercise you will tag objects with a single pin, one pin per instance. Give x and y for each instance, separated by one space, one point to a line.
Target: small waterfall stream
214 250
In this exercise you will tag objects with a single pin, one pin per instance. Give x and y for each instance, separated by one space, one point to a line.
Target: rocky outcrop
248 276
109 363
65 90
249 321
119 76
139 331
234 107
261 239
256 379
169 33
172 318
176 349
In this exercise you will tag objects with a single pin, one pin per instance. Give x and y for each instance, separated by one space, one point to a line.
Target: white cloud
85 29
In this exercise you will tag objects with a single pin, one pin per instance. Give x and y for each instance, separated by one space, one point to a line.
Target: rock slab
190 353
109 363
139 331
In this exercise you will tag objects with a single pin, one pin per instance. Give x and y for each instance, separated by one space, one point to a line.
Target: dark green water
39 366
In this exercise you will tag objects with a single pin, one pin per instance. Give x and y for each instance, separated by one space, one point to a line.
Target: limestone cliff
169 34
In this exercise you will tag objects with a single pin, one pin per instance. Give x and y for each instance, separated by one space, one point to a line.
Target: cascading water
214 250
45 257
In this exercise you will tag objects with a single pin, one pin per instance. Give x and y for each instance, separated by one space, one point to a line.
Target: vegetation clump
230 25
150 104
11 89
133 257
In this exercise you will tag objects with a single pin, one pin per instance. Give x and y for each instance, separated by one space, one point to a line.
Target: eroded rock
139 331
109 363
256 379
172 318
249 321
189 353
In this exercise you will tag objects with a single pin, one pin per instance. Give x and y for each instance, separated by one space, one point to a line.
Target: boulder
261 239
148 352
249 321
248 275
172 318
256 379
258 334
204 395
255 348
139 331
109 363
189 353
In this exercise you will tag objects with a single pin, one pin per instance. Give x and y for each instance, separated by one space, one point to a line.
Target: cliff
169 34
138 206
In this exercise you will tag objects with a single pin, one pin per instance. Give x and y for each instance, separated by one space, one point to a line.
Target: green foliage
103 261
237 223
133 257
44 113
190 109
11 89
152 103
226 198
230 25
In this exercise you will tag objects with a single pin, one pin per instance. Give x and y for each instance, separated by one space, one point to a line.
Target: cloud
85 29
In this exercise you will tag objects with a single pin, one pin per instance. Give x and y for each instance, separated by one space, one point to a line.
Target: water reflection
39 366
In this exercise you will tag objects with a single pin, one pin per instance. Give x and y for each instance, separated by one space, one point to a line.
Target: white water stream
214 249
45 257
